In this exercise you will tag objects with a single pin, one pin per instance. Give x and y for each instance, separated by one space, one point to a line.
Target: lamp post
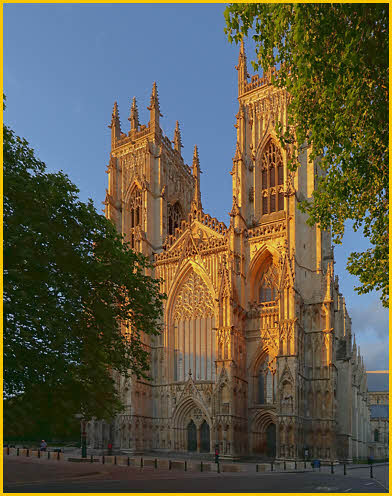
84 434
84 439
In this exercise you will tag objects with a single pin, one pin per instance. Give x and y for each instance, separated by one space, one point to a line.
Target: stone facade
256 354
379 424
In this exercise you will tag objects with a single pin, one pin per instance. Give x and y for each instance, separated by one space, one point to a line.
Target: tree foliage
333 60
70 284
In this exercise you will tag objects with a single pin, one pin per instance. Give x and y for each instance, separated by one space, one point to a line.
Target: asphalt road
282 483
27 476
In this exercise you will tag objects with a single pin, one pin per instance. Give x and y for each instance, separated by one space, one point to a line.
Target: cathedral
256 355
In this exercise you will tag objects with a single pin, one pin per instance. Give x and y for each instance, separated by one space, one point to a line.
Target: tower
150 186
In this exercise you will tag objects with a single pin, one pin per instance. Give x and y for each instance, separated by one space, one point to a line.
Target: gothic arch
187 267
266 139
261 423
259 358
190 332
265 256
190 407
189 410
136 184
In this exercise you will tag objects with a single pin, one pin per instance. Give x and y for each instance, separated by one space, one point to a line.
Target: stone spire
134 116
115 124
177 139
154 106
242 69
196 202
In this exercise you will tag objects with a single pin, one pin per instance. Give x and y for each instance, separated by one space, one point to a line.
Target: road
34 476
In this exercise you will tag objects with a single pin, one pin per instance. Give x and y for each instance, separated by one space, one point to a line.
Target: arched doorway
204 437
271 440
192 436
264 434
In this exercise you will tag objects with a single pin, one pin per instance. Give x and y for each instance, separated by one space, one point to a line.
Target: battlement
257 82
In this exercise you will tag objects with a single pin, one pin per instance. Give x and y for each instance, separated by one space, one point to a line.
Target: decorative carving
194 299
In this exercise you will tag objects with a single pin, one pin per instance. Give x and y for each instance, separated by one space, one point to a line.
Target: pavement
32 475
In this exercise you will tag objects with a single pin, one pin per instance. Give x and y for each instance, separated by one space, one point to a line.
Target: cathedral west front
257 353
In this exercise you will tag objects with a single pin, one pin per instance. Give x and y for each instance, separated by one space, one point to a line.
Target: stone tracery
193 320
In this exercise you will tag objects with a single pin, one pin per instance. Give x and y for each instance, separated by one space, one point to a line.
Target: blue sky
65 65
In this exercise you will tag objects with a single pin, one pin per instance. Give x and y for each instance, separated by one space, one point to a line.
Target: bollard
218 468
8 450
169 464
141 462
48 455
92 459
344 469
58 456
284 465
185 466
128 461
332 468
39 453
27 452
17 451
155 463
201 466
103 459
272 466
115 459
257 467
304 463
371 471
295 465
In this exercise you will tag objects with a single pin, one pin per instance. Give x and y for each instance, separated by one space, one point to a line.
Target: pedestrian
43 445
217 453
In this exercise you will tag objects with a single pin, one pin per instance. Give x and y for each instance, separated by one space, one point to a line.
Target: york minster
257 354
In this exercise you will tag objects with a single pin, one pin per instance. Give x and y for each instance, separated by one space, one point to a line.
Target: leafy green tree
70 284
333 60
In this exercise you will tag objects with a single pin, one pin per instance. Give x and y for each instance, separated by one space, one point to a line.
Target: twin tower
256 354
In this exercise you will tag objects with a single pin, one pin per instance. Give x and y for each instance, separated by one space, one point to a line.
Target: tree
71 288
333 60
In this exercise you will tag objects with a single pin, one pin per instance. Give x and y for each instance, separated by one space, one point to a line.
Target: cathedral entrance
264 434
271 440
204 437
192 436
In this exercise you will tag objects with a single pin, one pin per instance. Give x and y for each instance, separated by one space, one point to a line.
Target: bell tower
150 187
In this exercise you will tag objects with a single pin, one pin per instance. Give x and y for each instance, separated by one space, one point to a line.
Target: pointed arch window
271 179
266 391
135 208
174 216
267 291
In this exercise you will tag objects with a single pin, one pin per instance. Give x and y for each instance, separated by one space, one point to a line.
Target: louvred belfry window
174 217
135 207
272 199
